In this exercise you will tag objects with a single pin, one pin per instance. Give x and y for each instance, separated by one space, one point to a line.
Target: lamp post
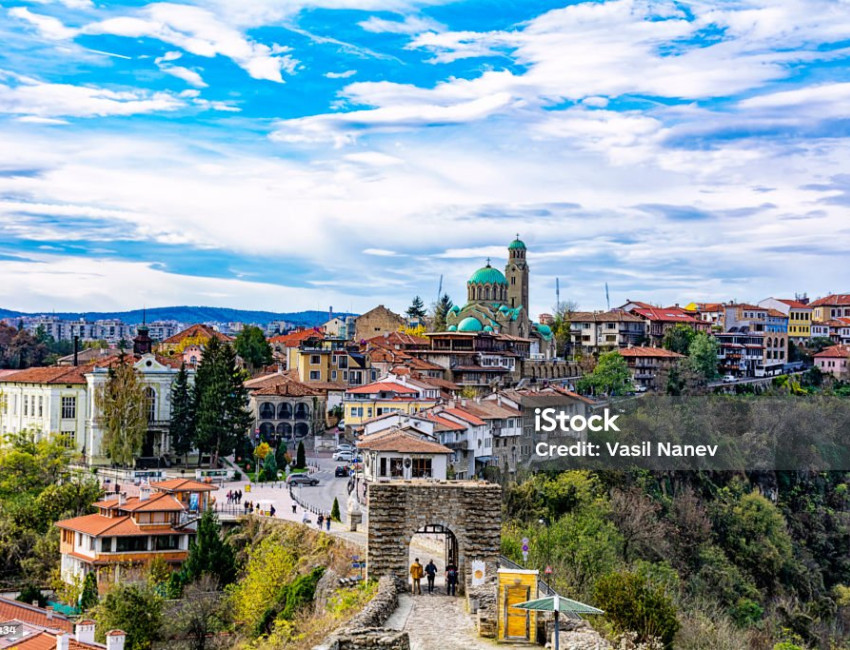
545 523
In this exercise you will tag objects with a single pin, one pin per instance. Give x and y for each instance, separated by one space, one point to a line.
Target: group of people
417 571
234 497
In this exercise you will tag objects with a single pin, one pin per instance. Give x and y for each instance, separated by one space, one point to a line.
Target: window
131 544
383 470
69 439
106 545
314 360
343 361
69 408
396 468
315 375
333 375
421 468
150 403
166 542
26 405
92 542
40 406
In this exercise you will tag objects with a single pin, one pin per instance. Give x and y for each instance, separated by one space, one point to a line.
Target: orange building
127 533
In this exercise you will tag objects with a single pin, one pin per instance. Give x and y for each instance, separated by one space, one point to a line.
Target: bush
632 604
237 475
335 510
30 594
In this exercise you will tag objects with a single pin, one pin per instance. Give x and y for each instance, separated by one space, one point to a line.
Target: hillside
192 314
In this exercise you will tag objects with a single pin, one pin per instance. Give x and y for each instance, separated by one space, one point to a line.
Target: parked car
344 455
340 425
345 446
301 479
341 471
728 379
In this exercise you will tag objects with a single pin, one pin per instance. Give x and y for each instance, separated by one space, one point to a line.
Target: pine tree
121 403
88 596
441 312
209 554
335 510
221 397
270 467
301 456
416 309
182 426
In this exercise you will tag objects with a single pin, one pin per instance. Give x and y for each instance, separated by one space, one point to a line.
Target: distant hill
189 315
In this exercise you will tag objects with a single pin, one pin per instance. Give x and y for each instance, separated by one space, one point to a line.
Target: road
321 497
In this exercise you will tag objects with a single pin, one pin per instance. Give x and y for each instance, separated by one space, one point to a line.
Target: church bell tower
516 273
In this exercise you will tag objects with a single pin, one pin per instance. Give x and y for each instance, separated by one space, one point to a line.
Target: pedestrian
305 519
451 579
271 511
328 522
416 574
240 495
320 520
294 509
431 573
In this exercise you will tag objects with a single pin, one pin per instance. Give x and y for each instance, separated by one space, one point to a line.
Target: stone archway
471 510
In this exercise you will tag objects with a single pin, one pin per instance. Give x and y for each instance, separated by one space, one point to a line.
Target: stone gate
470 510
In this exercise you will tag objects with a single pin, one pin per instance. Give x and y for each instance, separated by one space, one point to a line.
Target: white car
345 446
728 379
344 455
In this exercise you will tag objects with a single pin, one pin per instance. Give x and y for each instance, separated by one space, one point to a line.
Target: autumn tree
122 406
252 346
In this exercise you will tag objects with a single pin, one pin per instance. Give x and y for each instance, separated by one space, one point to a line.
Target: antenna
557 295
440 289
607 297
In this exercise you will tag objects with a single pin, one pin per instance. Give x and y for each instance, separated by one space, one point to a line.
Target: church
498 302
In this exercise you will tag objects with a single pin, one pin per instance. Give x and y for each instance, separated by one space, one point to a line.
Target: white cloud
192 77
30 97
341 75
47 26
410 25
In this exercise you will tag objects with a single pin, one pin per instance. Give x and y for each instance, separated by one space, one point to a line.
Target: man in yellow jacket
416 572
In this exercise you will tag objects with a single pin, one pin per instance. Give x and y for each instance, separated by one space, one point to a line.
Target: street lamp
545 523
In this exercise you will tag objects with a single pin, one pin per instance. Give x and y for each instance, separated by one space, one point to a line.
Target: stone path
438 622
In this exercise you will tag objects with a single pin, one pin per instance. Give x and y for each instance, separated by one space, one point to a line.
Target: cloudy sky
296 154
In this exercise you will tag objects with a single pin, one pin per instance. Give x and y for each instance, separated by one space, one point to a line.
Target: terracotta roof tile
836 299
381 386
401 441
183 485
464 415
650 352
196 330
28 613
50 375
834 352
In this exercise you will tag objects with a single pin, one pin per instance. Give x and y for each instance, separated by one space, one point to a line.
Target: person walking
328 523
431 573
271 511
294 508
320 520
451 579
416 574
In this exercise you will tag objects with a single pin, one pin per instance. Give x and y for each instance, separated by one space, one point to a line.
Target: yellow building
383 397
516 586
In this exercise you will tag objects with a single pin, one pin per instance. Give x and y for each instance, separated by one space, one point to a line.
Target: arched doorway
437 543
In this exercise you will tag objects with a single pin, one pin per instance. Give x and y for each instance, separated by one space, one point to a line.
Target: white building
406 453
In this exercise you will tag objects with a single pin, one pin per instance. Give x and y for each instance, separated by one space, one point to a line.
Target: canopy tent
558 604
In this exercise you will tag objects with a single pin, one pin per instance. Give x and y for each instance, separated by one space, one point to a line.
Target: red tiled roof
398 339
381 386
603 317
293 339
49 375
197 330
28 613
183 485
464 415
159 502
836 299
650 352
794 304
443 424
834 352
401 441
47 641
666 314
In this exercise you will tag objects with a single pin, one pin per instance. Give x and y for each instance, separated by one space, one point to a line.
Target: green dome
516 244
453 328
487 328
487 275
469 324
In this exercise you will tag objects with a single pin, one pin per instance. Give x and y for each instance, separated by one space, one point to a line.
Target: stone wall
471 510
380 608
376 322
372 639
485 597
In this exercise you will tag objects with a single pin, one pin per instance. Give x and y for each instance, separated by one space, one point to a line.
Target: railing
542 587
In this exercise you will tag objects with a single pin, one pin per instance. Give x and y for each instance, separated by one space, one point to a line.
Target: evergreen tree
441 311
88 596
416 309
252 346
122 406
182 426
335 510
301 456
209 554
270 467
221 402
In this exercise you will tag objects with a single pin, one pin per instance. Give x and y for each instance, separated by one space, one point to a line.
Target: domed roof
487 275
487 328
516 244
469 324
453 328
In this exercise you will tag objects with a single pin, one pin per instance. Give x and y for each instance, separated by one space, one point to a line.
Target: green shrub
335 510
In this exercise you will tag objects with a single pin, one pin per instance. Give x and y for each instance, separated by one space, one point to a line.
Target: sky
302 154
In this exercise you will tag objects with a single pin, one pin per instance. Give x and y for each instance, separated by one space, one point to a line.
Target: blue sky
296 154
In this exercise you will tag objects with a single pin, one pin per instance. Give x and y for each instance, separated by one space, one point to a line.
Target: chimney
122 498
144 492
63 641
49 611
76 349
84 631
115 640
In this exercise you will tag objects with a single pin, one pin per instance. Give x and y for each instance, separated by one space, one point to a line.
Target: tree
416 309
441 311
89 595
221 402
561 327
201 613
632 604
335 515
678 338
252 346
134 608
703 356
182 426
270 467
209 554
262 450
31 594
300 456
122 406
610 376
